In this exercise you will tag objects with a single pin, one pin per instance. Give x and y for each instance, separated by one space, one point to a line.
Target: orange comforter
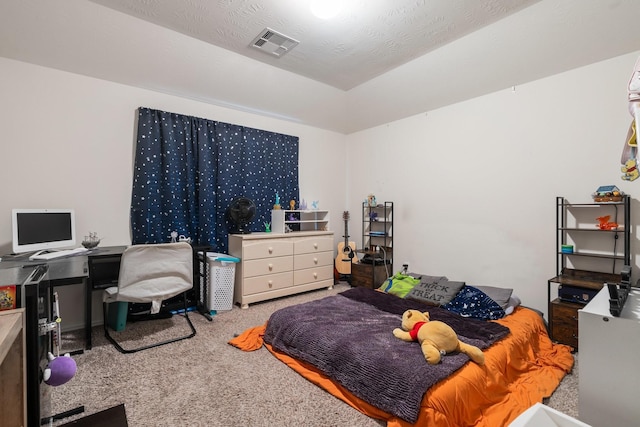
519 371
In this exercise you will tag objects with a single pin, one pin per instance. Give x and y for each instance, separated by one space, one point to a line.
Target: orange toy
605 224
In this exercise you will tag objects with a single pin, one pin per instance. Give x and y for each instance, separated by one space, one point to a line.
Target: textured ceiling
399 58
366 39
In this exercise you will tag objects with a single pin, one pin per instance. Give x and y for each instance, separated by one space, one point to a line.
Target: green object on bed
399 284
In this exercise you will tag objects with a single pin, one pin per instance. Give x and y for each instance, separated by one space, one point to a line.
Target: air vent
273 42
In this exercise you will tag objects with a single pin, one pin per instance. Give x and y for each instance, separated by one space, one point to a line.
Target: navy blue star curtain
188 170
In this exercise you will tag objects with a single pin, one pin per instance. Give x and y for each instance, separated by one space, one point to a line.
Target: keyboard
57 254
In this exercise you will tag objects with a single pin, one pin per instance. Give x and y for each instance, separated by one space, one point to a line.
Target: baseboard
71 327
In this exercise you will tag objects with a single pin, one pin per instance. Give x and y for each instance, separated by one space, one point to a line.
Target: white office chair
151 274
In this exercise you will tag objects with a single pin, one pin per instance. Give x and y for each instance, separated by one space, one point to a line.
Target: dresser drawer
265 249
311 275
313 260
306 245
260 267
258 284
564 322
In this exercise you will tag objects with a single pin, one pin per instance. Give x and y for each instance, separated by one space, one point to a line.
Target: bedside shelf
376 234
593 255
581 273
585 279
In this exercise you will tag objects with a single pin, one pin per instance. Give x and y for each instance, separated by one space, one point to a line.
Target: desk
72 270
95 270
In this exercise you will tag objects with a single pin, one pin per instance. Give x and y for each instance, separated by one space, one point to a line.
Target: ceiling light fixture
326 9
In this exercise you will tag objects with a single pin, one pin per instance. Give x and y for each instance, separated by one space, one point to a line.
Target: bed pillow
472 302
499 295
514 302
399 284
435 290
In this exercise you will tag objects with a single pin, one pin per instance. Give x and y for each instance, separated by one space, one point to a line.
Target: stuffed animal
436 338
605 224
59 370
630 170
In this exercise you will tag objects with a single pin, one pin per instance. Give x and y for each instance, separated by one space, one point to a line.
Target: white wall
68 141
474 184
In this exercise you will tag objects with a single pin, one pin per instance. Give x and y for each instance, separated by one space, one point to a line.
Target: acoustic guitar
346 250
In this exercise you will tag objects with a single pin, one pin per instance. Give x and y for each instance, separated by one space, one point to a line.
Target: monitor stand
41 252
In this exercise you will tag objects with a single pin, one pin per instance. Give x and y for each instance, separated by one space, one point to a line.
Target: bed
344 344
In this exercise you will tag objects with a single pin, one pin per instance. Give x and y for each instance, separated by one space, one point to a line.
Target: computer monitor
42 229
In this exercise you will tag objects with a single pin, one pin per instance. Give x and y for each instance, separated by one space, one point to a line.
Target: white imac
42 229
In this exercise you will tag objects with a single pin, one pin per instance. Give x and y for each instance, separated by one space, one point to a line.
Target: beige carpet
203 381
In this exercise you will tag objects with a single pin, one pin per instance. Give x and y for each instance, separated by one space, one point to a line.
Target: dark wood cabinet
564 328
368 276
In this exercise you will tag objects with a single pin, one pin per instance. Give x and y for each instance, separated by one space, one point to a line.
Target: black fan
241 211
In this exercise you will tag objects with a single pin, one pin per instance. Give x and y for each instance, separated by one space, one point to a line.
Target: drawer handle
270 250
315 246
270 267
315 275
270 284
315 260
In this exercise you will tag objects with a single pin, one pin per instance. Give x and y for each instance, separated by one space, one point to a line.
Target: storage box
220 274
540 415
117 315
566 249
576 294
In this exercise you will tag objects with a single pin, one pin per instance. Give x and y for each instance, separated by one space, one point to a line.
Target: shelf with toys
302 219
592 249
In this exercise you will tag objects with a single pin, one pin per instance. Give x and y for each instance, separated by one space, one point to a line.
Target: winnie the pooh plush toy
436 338
630 170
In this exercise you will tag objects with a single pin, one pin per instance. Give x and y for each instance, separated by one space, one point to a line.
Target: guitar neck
347 252
346 233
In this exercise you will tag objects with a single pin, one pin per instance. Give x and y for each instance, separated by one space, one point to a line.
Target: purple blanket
349 338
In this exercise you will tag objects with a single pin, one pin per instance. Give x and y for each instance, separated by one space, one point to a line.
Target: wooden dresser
274 265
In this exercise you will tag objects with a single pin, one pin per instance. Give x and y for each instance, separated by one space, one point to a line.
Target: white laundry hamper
220 274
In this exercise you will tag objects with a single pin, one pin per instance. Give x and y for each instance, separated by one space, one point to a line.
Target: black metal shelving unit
376 255
599 251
